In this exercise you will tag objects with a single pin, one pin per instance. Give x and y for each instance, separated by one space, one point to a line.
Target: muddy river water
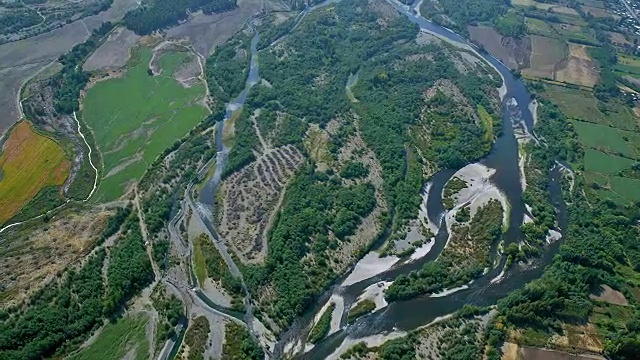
495 284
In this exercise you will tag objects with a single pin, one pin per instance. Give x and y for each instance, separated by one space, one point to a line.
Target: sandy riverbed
479 192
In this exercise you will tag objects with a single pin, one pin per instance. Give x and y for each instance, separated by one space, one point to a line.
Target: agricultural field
608 164
539 27
29 163
578 68
545 54
607 139
628 64
598 12
135 117
126 338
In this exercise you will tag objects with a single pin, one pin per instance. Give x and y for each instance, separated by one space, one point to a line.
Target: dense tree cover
451 188
238 344
60 314
354 170
218 271
362 308
129 268
244 142
314 205
454 268
321 329
159 14
398 349
12 22
228 67
170 309
68 83
114 223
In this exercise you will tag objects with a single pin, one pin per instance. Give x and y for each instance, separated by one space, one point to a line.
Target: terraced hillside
251 198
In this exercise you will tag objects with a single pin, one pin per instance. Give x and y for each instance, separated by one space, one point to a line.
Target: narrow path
254 121
145 236
95 180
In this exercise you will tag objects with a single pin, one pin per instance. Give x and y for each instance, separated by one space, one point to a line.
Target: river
411 314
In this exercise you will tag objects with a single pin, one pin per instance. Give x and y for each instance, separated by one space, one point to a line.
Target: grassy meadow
135 117
29 163
117 339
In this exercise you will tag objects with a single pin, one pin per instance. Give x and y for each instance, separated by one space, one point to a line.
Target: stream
411 314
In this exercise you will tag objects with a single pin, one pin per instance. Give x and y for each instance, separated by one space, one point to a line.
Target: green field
135 117
582 105
603 138
117 339
574 103
537 26
597 161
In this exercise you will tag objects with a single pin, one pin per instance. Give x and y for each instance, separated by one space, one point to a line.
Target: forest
158 14
12 22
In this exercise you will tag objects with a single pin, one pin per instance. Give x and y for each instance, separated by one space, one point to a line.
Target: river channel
411 314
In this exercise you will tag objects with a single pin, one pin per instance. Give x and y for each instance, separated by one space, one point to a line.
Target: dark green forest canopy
159 14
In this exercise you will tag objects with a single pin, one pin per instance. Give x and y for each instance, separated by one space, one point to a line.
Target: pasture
124 339
597 161
135 117
539 27
603 138
574 103
29 163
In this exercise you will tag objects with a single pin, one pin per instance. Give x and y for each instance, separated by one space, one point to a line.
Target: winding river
411 314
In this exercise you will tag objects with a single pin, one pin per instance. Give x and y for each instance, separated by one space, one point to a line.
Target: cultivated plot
135 117
29 163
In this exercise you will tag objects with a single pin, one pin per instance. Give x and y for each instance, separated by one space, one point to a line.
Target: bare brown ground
529 353
251 198
618 38
114 53
512 52
579 68
28 261
510 351
207 31
608 295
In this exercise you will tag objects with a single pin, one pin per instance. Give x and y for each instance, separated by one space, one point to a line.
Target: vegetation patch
464 259
362 308
452 188
322 327
604 163
117 338
238 344
604 138
135 117
30 162
196 338
216 268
